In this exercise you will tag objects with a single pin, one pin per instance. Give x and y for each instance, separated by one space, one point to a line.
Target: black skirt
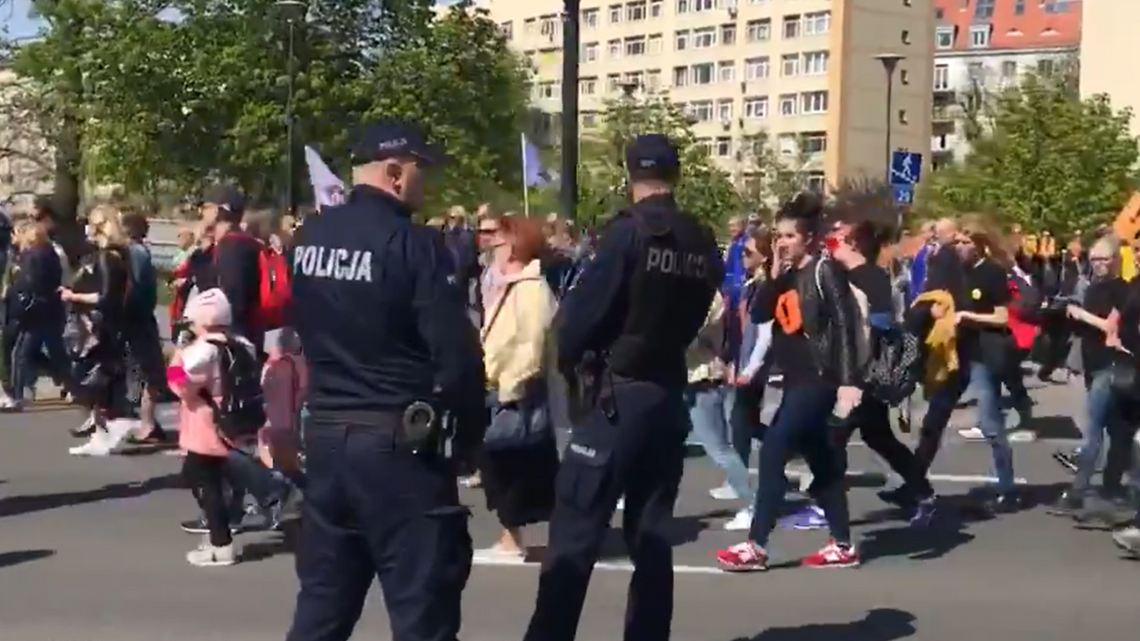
519 483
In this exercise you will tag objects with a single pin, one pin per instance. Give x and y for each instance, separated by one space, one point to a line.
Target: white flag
327 188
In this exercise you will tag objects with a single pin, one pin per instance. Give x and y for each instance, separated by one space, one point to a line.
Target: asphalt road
90 549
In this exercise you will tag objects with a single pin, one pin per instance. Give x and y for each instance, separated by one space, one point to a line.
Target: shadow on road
26 504
880 624
8 559
918 544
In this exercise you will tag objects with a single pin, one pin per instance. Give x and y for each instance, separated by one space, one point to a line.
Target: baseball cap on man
389 139
652 157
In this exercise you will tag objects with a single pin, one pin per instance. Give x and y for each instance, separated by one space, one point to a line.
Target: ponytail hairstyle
806 210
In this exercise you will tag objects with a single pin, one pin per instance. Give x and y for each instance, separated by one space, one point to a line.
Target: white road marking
796 474
609 566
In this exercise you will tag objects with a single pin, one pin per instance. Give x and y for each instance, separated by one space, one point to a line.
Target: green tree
704 190
1042 158
771 177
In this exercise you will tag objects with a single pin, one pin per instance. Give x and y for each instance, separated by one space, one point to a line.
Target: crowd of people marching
804 298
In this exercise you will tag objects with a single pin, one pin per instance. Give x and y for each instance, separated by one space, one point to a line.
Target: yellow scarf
942 341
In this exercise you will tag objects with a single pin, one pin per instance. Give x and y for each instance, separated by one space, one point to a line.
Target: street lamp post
890 63
292 11
569 195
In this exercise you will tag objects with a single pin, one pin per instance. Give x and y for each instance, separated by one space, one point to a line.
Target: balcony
945 113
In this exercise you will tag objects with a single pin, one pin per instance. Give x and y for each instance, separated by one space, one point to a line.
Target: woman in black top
97 302
1107 295
814 345
857 249
984 346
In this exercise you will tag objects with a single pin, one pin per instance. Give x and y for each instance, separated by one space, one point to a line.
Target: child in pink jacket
284 379
193 373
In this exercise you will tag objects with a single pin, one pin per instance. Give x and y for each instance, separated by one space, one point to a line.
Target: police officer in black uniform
636 308
390 351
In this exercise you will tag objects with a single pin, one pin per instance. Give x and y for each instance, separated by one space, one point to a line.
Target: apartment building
802 71
25 158
1109 33
984 46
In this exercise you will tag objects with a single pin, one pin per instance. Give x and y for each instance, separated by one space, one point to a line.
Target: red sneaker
833 555
743 557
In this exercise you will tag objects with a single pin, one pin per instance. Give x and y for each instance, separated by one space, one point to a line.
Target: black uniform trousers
373 508
637 452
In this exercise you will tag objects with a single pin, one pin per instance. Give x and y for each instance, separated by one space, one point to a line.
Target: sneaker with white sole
724 493
972 434
209 556
97 445
743 557
741 522
833 555
499 555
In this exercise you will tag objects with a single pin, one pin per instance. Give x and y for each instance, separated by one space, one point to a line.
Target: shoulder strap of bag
494 312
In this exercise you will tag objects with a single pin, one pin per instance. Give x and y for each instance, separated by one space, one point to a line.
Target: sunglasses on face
487 231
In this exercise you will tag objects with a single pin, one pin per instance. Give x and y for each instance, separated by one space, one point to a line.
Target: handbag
1124 378
517 425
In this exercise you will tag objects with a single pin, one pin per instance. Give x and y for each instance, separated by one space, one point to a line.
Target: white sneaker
620 504
209 556
724 493
741 522
972 434
9 404
118 430
97 445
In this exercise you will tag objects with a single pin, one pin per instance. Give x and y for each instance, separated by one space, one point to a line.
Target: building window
791 27
613 83
702 5
1019 7
701 110
1055 6
759 30
635 11
704 145
590 18
588 86
589 119
976 72
944 38
726 71
756 108
813 142
704 38
787 144
633 79
814 102
1046 67
941 77
904 76
656 8
681 41
904 117
635 46
756 68
551 27
590 52
547 90
905 36
724 111
614 47
703 74
728 35
817 24
984 10
529 26
815 63
788 104
653 79
1009 69
680 76
979 36
790 65
507 29
655 43
683 6
615 13
723 148
816 182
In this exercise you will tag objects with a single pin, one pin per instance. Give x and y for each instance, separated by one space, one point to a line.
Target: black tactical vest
672 287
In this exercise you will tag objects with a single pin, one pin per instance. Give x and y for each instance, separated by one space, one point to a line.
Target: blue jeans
801 425
710 406
991 420
1100 402
246 474
30 343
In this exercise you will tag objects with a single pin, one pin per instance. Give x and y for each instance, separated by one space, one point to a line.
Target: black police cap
652 157
390 139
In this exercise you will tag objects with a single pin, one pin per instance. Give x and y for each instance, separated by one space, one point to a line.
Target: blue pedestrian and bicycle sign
906 171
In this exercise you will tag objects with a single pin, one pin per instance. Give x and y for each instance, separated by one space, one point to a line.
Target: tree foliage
1042 158
171 95
704 189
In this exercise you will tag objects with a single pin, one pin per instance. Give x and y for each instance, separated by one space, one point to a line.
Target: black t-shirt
1100 299
944 271
875 284
1130 317
985 287
791 351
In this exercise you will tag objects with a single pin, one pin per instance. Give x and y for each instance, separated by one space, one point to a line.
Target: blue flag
534 175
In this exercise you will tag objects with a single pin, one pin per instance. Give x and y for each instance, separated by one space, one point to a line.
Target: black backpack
241 412
896 366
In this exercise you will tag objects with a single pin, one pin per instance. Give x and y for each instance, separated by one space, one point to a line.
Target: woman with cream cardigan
520 458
